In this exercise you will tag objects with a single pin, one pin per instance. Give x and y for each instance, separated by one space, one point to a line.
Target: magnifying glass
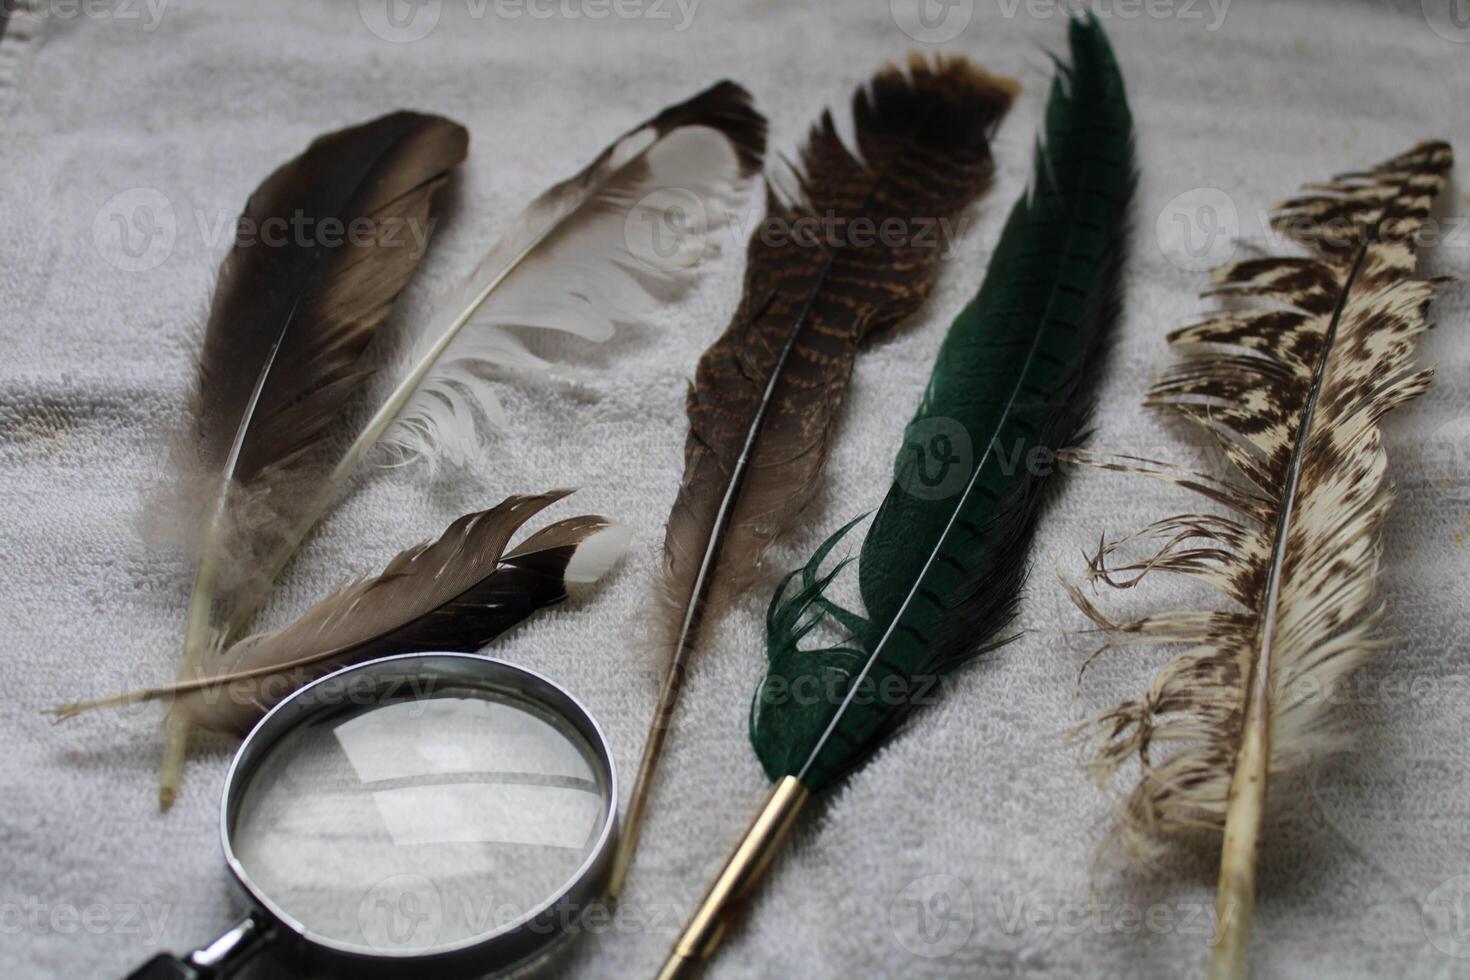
432 814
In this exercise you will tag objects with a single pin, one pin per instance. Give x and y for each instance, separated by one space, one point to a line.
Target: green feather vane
942 566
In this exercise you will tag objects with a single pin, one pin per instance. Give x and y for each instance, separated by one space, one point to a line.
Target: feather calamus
1292 388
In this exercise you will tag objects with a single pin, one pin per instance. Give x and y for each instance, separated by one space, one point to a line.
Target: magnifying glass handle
218 960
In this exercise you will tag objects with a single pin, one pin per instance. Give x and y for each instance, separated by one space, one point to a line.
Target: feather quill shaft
455 594
1292 391
940 572
283 352
765 399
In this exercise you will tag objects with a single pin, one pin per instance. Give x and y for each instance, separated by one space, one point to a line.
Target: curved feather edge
283 353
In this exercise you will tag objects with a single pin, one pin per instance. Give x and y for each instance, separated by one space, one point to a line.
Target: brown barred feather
1292 391
818 283
924 142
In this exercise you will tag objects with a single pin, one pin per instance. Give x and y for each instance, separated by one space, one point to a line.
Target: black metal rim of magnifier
510 947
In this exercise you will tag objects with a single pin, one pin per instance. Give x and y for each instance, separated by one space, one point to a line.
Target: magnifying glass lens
408 826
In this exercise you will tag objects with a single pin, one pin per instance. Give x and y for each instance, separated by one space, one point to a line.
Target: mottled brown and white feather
1292 385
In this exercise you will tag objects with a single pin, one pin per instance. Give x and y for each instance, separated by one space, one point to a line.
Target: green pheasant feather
943 562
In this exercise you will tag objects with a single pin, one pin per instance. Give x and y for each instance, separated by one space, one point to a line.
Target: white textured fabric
183 107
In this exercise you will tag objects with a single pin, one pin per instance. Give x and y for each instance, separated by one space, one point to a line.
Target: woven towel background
183 106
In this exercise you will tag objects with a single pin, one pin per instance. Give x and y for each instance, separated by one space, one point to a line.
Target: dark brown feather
326 244
924 142
294 311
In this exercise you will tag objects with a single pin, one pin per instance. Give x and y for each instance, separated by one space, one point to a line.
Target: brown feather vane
1291 385
850 255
